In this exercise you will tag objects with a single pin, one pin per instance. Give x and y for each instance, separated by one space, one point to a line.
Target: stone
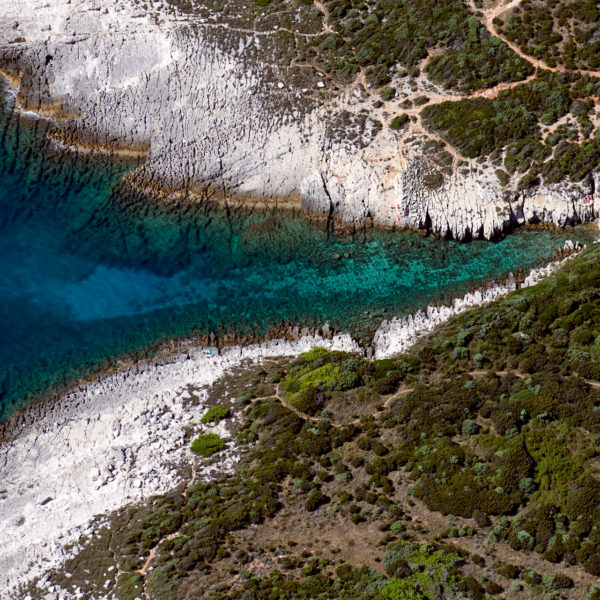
216 109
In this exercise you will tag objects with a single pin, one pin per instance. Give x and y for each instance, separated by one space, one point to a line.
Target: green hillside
467 469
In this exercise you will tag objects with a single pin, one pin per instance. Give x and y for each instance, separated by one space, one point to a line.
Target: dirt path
401 392
146 566
481 373
326 26
487 21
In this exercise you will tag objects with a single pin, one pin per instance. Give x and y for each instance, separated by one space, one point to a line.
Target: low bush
215 414
399 122
207 444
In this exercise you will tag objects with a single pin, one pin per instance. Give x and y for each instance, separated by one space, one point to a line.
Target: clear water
89 272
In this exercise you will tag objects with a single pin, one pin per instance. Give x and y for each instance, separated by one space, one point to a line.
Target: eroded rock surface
224 98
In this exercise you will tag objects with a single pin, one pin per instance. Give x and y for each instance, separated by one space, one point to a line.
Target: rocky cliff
226 99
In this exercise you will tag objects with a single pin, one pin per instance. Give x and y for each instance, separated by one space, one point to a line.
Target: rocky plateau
225 107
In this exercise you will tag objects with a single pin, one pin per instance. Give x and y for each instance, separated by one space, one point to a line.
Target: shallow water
89 272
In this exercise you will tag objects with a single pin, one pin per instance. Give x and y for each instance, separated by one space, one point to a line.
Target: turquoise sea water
89 272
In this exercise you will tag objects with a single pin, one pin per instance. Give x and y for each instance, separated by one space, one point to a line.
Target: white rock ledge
208 104
400 334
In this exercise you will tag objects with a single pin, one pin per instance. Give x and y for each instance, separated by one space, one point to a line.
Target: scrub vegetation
389 37
215 414
493 103
380 38
557 32
512 129
465 469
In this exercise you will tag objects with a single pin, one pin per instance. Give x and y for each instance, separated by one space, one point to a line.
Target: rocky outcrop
108 444
399 335
222 107
466 203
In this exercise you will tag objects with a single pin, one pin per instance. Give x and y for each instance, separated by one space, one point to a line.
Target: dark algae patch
466 469
92 271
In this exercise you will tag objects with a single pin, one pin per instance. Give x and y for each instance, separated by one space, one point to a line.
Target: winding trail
326 26
483 372
489 93
143 571
488 22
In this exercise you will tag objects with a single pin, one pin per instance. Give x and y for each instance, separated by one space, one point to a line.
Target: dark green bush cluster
215 414
207 444
433 573
351 583
560 33
566 531
399 121
313 379
450 477
479 127
535 432
130 586
379 37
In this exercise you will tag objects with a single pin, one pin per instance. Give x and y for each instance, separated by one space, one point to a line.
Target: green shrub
527 485
130 586
563 581
384 386
493 588
460 352
592 565
207 444
470 427
388 93
509 571
549 581
399 121
316 498
400 589
215 414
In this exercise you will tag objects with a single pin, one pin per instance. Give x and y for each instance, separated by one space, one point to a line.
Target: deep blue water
89 271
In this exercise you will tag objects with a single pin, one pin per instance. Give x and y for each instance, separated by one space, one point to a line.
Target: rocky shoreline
124 436
372 345
111 443
399 334
225 111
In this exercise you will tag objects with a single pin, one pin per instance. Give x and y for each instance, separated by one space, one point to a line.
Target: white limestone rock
204 99
107 445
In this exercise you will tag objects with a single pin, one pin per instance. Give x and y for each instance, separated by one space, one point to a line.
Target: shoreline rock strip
112 443
221 111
